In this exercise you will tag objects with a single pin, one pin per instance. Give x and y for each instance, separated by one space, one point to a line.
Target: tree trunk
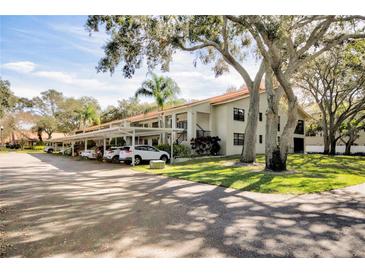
286 137
348 147
272 150
249 146
352 138
39 133
333 142
326 141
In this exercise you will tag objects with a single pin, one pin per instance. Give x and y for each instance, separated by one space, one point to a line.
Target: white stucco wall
225 126
318 140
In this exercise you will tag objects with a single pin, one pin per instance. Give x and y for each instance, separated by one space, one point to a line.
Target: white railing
339 149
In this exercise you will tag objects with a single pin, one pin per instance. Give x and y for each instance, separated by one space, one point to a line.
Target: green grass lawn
5 150
306 173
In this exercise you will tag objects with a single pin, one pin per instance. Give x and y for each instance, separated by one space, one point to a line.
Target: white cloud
28 68
84 83
83 41
27 91
21 66
55 75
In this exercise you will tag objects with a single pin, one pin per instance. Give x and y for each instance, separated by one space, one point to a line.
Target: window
145 141
145 125
238 139
278 123
154 142
238 114
169 122
260 139
151 149
155 124
182 124
300 127
260 116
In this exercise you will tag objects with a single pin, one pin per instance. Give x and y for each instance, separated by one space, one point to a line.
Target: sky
38 53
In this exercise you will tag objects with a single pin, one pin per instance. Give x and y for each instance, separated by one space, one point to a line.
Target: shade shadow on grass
311 173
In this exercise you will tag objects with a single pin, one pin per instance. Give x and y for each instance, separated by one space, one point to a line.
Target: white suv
112 154
89 153
142 153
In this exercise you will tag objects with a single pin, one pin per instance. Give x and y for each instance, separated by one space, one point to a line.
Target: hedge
179 150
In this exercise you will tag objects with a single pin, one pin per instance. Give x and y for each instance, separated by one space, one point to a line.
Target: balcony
202 133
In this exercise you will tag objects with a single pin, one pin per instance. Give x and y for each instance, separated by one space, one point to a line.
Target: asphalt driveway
52 206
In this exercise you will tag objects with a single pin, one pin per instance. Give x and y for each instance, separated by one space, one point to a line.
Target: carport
104 134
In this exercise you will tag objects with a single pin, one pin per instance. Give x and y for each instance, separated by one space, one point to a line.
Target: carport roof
115 132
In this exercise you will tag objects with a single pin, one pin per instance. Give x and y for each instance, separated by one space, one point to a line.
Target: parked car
142 153
13 146
112 154
89 153
49 149
100 152
66 151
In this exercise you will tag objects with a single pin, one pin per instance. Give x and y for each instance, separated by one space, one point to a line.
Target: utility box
157 164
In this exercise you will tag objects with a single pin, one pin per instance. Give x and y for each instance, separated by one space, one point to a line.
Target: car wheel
115 160
127 162
137 160
50 151
164 158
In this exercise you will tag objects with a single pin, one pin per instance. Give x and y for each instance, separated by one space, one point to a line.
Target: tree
336 81
126 108
46 106
68 115
160 88
89 115
349 130
48 103
215 39
7 98
289 42
47 124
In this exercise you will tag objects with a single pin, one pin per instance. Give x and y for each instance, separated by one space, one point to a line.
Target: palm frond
160 88
143 92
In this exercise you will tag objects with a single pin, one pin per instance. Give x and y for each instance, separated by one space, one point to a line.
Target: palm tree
88 115
160 88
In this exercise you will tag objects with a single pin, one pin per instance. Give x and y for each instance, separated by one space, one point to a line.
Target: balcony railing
202 133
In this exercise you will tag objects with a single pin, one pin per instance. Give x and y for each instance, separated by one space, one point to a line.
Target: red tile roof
17 135
220 99
212 100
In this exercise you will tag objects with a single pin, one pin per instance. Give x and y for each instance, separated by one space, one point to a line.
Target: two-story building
224 116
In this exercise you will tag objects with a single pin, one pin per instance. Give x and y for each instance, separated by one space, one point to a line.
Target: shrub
179 150
38 147
206 145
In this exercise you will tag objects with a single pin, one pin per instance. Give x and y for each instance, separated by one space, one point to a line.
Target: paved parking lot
58 207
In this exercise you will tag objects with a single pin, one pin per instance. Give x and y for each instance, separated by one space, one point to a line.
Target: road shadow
59 207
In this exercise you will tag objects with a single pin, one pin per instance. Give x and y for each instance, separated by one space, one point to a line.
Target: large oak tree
336 81
287 43
135 40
